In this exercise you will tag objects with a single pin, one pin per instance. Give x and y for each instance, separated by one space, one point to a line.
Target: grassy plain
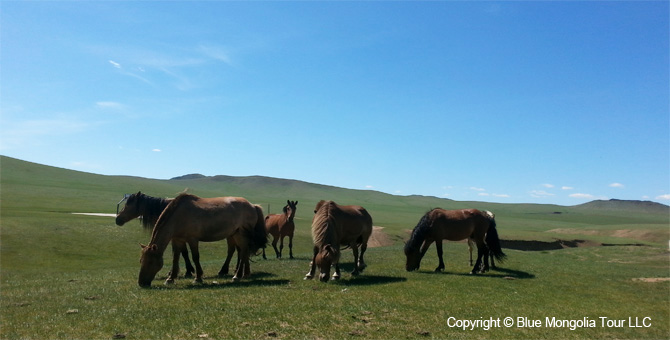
65 276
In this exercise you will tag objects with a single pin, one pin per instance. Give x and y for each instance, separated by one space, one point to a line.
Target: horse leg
493 263
243 261
195 253
361 262
187 263
281 245
231 251
354 249
470 244
481 251
440 266
337 275
177 246
290 247
312 265
274 245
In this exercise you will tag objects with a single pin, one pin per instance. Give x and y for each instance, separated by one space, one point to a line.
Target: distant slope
626 205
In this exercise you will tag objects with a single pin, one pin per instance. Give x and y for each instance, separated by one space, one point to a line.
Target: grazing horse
191 219
280 226
454 225
150 208
333 226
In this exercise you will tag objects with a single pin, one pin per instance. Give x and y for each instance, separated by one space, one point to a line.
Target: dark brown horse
150 208
280 226
335 226
454 225
191 219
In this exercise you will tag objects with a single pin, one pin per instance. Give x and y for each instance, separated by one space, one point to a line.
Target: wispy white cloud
540 193
156 150
547 185
501 195
215 52
477 189
580 195
665 197
369 187
616 185
567 188
115 64
483 194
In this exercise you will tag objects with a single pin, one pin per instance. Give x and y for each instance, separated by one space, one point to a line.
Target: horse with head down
191 219
335 226
454 225
149 208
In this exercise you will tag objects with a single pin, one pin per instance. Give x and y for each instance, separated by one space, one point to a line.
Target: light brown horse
150 208
280 226
454 225
335 226
191 219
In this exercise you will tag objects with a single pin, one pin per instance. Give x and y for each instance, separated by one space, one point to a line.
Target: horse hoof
188 275
236 279
169 282
198 281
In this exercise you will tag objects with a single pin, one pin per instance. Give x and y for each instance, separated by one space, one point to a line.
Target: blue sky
533 102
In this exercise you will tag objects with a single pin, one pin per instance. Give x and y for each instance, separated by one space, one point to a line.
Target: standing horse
333 226
150 208
191 219
454 225
280 226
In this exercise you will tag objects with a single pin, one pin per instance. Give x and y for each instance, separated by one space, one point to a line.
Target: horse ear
143 246
288 202
139 193
296 203
153 247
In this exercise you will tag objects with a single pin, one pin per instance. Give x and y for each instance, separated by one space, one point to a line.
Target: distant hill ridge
617 204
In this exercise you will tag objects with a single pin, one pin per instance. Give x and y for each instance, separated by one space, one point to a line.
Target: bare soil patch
542 245
379 238
636 234
652 279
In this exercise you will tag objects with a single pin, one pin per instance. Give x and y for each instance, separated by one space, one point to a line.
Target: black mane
419 233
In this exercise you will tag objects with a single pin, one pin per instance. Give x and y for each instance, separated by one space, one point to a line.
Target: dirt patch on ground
96 214
652 279
379 238
642 235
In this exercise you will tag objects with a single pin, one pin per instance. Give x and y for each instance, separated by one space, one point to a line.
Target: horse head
289 210
325 259
131 210
413 258
151 261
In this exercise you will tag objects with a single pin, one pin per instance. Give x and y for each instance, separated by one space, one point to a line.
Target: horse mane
420 232
153 207
169 211
323 225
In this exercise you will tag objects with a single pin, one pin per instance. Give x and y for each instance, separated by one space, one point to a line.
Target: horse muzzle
119 221
323 277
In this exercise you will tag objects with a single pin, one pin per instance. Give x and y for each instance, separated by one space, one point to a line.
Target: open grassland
75 277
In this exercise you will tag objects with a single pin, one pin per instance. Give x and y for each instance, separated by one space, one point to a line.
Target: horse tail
420 232
258 237
492 239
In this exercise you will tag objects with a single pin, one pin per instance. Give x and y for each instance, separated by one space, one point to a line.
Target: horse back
354 223
213 219
456 225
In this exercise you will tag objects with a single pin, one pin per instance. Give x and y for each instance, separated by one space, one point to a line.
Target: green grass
65 276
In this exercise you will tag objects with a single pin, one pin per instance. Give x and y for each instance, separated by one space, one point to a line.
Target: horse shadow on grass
258 279
363 279
499 273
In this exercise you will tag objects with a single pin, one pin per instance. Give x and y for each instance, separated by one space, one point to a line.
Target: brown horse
280 226
150 208
191 219
333 226
454 225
